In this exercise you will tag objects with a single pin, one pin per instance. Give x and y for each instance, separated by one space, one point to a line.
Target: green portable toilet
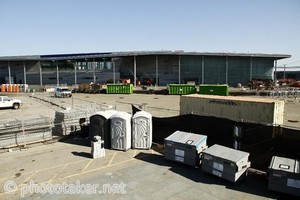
222 90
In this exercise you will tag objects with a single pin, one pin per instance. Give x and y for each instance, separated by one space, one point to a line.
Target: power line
292 62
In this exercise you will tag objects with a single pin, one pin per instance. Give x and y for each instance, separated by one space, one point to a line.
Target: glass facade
152 69
191 69
84 65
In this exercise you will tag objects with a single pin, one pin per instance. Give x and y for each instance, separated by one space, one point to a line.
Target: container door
118 134
141 138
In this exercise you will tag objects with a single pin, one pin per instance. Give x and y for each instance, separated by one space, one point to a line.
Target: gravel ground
157 105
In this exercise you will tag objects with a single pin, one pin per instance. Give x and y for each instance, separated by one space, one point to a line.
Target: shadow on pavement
74 139
251 185
82 154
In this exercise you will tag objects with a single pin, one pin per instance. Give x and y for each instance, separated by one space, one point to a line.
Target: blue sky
34 27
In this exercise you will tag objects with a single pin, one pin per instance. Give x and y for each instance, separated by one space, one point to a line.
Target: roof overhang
87 56
20 58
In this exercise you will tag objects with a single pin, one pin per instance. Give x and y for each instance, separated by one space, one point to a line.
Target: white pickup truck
62 92
6 102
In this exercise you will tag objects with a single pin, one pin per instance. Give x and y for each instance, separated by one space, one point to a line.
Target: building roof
79 56
19 58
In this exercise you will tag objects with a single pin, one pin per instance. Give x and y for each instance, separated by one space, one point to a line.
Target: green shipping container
119 89
182 89
222 90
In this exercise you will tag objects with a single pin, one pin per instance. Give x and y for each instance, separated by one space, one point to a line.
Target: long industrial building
145 67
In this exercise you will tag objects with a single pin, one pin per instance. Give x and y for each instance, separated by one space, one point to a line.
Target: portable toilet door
100 126
142 130
120 131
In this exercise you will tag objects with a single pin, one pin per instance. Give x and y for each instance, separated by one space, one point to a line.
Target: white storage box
224 162
184 147
284 175
97 150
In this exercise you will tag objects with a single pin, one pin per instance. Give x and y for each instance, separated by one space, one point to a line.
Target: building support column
134 70
251 68
179 69
202 72
57 74
24 72
9 74
114 70
41 76
156 70
284 67
275 78
75 73
94 72
226 71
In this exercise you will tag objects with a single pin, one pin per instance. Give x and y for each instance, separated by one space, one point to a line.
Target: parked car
62 92
6 102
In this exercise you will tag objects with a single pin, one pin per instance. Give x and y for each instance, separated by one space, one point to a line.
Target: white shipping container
247 109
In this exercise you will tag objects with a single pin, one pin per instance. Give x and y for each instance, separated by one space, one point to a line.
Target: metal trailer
100 126
142 130
120 129
237 108
226 163
284 175
185 147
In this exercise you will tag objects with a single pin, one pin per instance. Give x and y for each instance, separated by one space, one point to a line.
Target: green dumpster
119 89
182 89
222 90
